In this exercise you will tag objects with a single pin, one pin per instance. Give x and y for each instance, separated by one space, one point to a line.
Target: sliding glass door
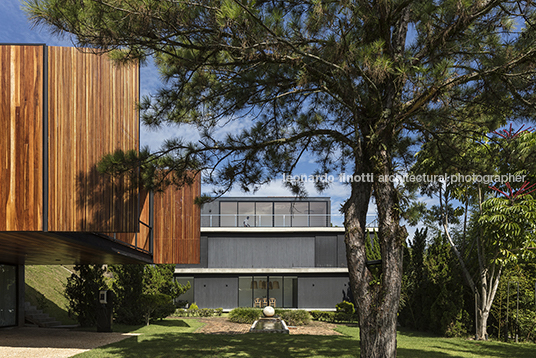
8 295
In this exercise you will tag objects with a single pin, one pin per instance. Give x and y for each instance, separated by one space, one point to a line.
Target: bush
154 306
82 291
345 307
245 315
294 317
218 311
334 317
205 312
180 312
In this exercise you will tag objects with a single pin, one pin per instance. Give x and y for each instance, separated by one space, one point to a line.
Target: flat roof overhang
55 248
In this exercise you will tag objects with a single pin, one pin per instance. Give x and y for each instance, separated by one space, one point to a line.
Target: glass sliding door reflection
300 214
245 291
290 292
276 291
187 297
8 295
282 214
228 214
260 291
264 213
246 214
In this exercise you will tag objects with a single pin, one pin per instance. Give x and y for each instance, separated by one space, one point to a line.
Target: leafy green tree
155 305
498 230
128 288
82 290
159 279
351 84
142 285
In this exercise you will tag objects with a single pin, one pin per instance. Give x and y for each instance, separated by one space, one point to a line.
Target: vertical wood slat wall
21 133
91 113
177 225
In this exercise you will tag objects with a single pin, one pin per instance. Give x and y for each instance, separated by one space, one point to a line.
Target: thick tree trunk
377 297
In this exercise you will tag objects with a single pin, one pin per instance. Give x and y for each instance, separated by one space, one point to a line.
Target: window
300 214
188 296
264 214
318 214
282 213
246 214
228 212
8 295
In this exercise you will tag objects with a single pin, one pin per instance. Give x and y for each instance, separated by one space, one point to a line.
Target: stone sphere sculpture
268 311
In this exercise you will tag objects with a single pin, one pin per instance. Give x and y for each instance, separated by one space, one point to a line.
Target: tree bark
377 298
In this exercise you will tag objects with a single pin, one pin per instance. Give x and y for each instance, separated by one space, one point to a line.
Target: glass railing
278 220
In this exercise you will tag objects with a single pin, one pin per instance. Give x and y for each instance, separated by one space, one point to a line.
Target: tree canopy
356 85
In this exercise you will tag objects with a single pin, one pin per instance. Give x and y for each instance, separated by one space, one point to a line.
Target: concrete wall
321 292
215 292
253 252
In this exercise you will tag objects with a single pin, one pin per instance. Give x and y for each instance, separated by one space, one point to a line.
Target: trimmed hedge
250 315
334 317
245 315
198 312
294 317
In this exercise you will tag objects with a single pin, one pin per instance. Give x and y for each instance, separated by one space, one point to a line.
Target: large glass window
290 292
300 214
245 291
282 214
228 214
8 295
264 214
187 297
318 214
246 214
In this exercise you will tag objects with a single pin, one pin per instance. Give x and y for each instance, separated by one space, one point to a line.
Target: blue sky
15 28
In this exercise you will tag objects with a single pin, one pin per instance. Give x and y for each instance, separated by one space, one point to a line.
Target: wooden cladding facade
177 225
61 110
91 113
21 138
175 222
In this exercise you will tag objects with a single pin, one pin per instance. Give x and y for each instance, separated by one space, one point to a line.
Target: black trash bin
104 311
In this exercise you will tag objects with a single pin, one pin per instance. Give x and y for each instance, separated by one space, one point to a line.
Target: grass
45 286
175 338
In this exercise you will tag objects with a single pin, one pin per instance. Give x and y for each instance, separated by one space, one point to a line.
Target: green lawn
175 338
45 287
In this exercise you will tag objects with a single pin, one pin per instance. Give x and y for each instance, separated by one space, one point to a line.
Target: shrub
205 312
218 311
154 306
345 307
244 315
294 317
180 312
334 317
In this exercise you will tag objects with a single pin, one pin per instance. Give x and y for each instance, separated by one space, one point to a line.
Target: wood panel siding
21 134
177 225
92 112
140 239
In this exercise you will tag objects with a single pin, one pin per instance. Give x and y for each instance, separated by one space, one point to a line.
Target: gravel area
220 325
28 342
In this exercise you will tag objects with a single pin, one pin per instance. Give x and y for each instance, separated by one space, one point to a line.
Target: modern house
271 250
61 110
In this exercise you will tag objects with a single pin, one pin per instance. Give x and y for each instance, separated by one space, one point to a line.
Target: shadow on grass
169 341
49 307
246 345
